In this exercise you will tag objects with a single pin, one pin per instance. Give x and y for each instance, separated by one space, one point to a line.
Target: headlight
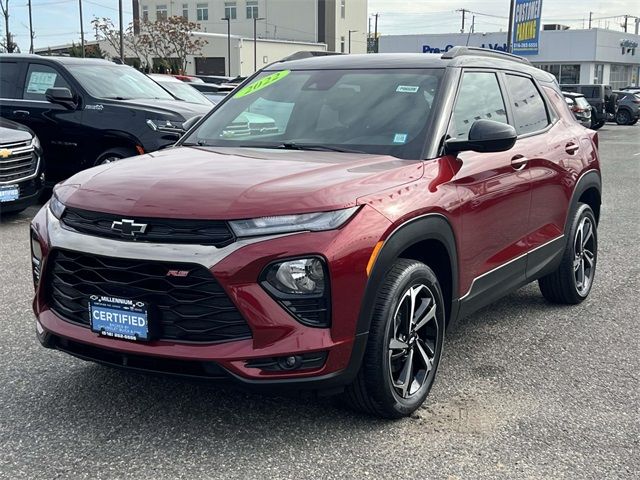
56 206
164 125
35 143
314 222
301 286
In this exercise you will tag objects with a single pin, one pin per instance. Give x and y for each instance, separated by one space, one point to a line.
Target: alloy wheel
413 340
584 260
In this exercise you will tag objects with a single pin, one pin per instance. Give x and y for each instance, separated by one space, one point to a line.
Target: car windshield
184 92
369 111
117 82
582 102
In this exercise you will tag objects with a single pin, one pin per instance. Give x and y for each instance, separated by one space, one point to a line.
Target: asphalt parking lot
525 390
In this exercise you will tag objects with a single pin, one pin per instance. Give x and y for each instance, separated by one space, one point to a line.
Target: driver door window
479 97
39 79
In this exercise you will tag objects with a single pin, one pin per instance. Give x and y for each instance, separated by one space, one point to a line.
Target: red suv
397 194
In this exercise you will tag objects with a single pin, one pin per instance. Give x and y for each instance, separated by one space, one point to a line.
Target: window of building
529 111
341 44
39 79
185 11
252 9
479 98
145 13
343 8
202 11
161 12
598 74
230 10
620 76
564 73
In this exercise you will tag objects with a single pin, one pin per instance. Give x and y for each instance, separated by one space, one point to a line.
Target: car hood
11 132
228 183
163 107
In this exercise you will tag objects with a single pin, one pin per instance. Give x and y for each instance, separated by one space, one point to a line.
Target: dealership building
586 56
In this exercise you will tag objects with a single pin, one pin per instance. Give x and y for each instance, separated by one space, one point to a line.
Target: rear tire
571 283
597 125
404 344
113 155
623 117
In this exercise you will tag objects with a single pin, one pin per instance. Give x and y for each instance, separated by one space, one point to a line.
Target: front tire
623 117
404 345
113 155
571 283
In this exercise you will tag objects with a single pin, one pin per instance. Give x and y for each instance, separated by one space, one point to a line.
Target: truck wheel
404 345
572 281
113 155
623 117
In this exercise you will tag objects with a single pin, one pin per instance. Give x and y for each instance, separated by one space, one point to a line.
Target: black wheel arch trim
431 226
589 179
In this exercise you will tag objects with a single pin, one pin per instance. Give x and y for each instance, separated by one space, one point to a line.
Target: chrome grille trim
21 165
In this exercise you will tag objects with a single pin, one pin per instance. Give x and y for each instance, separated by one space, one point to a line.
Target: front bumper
237 267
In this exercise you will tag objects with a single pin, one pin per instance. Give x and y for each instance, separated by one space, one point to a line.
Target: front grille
192 308
21 163
158 230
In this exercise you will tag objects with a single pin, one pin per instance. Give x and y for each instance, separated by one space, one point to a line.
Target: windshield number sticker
264 82
400 138
407 89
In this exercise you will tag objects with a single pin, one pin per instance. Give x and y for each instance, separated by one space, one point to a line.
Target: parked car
601 98
580 107
628 111
89 111
398 194
21 167
180 90
215 79
207 88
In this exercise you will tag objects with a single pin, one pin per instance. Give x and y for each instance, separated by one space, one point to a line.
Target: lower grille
191 308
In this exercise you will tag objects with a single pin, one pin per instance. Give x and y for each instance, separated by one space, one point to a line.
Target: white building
573 56
330 22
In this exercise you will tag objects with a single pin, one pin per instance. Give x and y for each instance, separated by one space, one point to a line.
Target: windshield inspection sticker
400 138
262 83
407 89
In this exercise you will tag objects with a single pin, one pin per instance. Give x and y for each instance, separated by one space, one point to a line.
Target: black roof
55 59
456 57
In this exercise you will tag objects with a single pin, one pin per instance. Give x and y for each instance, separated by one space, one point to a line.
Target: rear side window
529 111
39 79
479 98
9 79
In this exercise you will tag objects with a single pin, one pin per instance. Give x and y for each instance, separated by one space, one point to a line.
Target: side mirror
485 136
61 96
191 122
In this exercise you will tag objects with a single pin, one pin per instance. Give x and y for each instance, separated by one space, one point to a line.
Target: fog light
290 363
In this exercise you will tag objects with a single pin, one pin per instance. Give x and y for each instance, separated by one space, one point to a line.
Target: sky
56 22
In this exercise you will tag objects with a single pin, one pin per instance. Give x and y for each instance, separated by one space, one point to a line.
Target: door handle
21 113
571 148
518 162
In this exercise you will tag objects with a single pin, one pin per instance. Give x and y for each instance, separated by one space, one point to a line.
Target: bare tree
9 45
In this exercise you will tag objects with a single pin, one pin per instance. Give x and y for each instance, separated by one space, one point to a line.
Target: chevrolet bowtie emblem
5 153
128 227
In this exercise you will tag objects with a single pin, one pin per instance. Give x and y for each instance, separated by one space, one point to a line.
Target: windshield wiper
117 98
316 147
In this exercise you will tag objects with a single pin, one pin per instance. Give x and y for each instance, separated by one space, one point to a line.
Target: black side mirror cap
61 96
485 136
191 122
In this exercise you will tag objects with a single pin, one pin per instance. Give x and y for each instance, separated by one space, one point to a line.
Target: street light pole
121 32
81 27
512 9
228 45
255 48
30 29
350 32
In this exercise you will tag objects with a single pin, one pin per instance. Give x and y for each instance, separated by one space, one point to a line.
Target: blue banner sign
526 27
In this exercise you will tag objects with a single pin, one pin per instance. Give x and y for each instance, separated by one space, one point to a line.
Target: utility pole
255 41
30 29
81 27
590 18
375 35
512 11
350 32
121 31
464 11
626 20
228 20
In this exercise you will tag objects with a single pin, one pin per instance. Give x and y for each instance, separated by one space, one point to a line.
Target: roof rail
307 54
482 52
